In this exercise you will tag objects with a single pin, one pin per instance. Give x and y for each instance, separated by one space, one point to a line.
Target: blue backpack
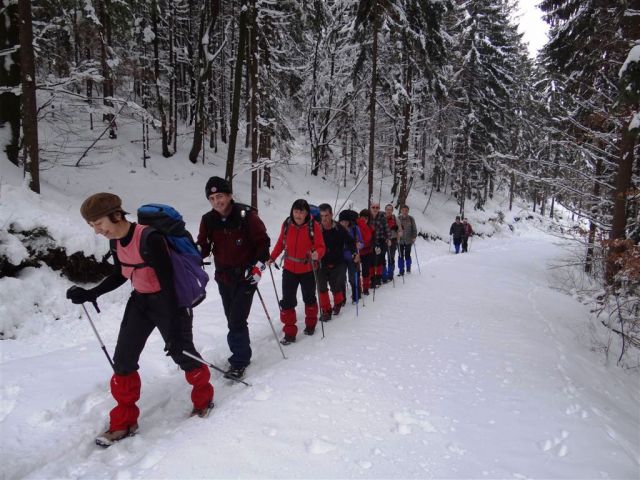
189 278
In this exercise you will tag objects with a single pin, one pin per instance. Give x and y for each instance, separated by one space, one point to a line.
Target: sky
479 365
535 29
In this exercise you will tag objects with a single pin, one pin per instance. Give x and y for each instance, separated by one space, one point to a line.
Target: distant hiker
366 252
381 242
406 238
153 303
303 246
348 219
333 269
457 232
238 240
468 231
392 224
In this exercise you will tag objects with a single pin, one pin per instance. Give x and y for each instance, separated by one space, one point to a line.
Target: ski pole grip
95 305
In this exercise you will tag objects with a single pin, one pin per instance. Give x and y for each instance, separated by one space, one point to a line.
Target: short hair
404 206
325 207
365 213
388 205
457 217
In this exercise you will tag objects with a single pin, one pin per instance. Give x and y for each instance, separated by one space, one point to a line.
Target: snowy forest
436 95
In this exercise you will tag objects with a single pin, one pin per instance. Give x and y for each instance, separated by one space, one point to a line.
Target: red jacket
298 246
367 235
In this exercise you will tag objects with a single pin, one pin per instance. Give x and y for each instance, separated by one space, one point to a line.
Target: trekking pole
211 365
375 266
275 335
315 279
274 288
417 261
393 277
356 274
104 349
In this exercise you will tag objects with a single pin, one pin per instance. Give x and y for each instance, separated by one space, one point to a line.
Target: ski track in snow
461 396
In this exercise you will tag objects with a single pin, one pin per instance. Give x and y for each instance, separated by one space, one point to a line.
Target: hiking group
165 266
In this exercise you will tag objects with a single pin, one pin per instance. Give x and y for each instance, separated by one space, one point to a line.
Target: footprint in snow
405 421
320 447
8 397
264 393
556 444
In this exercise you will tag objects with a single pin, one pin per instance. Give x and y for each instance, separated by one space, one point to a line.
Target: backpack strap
144 249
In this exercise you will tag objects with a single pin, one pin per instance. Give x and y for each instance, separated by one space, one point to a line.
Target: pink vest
144 280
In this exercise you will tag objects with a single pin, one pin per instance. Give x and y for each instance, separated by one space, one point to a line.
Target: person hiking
392 224
366 252
457 232
303 246
152 304
468 231
348 219
238 240
407 235
381 242
333 268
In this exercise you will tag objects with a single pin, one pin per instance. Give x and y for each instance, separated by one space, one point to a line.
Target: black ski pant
333 276
404 257
290 282
143 313
237 297
465 244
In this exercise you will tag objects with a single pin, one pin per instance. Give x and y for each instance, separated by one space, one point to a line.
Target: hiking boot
235 373
109 437
336 308
309 331
365 291
325 316
287 340
203 412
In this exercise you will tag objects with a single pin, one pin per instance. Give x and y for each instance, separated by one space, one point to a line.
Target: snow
632 56
474 366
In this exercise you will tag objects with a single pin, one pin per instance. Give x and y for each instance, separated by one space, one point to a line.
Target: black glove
80 295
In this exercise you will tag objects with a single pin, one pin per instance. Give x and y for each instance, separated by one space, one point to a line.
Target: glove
254 274
378 250
80 295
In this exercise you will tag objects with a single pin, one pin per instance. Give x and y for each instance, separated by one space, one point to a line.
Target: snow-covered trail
475 368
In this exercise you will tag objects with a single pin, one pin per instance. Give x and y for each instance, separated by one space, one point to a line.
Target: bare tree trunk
589 260
205 73
403 153
10 77
372 110
252 64
156 73
29 104
237 92
105 46
620 195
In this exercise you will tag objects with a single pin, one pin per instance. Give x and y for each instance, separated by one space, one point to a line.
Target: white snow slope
476 366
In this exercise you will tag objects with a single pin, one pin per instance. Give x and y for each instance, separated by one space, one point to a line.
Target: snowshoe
309 331
202 412
235 373
287 340
336 308
109 437
325 316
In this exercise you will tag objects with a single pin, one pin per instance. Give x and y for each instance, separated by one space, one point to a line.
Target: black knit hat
217 185
100 205
348 215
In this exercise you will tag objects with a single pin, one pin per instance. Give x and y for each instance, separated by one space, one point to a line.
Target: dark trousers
456 243
465 244
237 297
143 313
404 257
333 276
353 270
290 282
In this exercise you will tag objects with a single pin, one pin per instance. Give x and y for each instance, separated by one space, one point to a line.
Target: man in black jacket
333 270
457 232
238 240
